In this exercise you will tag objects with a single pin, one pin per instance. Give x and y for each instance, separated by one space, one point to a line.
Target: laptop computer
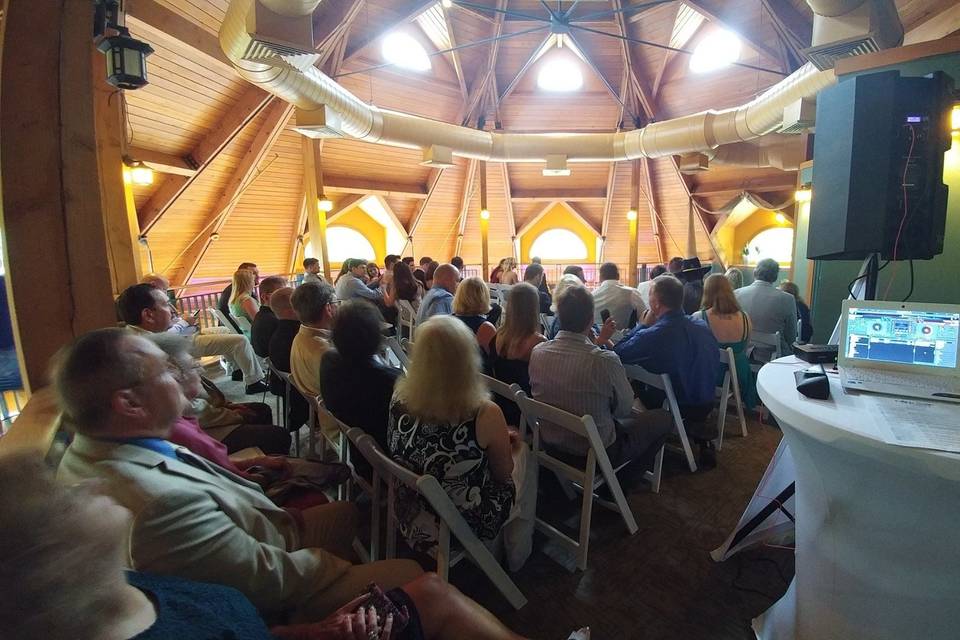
900 348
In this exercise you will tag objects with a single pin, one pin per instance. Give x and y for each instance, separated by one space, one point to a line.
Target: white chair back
222 319
662 381
406 319
730 386
450 519
508 392
396 353
766 346
537 413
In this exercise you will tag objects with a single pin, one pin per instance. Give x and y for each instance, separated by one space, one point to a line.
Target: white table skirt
878 526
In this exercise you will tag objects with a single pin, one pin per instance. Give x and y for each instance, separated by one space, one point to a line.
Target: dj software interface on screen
905 337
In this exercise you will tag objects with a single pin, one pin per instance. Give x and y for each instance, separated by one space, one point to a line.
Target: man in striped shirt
574 374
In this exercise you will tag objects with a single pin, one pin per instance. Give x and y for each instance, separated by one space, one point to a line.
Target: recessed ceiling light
404 51
718 50
560 73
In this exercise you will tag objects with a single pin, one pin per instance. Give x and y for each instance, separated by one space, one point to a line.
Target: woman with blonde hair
242 302
731 326
443 423
509 275
471 304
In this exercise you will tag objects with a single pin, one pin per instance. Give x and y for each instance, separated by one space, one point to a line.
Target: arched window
343 243
776 243
559 244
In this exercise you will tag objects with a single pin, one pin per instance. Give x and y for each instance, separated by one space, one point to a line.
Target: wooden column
313 187
632 218
58 215
484 224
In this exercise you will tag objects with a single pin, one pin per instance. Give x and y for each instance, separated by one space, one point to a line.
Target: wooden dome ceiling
237 164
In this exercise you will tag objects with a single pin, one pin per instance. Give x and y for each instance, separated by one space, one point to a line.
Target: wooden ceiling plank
795 31
331 21
433 182
654 211
535 55
939 26
296 242
375 187
162 162
149 19
481 86
726 18
251 103
549 195
508 198
466 196
455 57
273 125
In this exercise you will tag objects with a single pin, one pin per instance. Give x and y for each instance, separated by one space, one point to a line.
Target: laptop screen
902 336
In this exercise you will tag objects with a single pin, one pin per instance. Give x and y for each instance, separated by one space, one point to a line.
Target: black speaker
878 168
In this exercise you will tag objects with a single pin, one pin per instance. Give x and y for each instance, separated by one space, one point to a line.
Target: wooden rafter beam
727 16
296 242
465 197
331 20
654 210
433 182
608 207
408 12
337 184
278 113
508 193
535 55
150 20
938 26
455 57
251 103
746 185
549 195
645 100
162 162
794 29
481 86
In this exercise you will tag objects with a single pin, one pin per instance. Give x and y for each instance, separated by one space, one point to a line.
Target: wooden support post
313 187
484 222
632 217
654 215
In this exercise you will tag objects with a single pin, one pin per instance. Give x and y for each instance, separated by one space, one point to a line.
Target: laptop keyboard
926 383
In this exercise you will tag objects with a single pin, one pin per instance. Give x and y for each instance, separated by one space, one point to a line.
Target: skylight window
560 73
404 51
716 51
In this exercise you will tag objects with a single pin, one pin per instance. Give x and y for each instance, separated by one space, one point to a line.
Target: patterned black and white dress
450 453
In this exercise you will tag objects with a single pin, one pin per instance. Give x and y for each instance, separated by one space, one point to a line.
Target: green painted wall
936 280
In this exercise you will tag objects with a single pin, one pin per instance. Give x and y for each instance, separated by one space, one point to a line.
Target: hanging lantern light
140 174
126 59
325 204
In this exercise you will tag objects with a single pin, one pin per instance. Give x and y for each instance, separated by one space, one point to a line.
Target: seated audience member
386 278
567 280
803 311
429 272
187 431
542 287
421 277
644 287
353 284
534 275
457 261
90 593
770 309
443 423
575 270
373 275
439 299
574 374
223 303
510 349
735 276
344 270
144 308
623 303
184 326
495 274
471 305
409 260
675 266
684 349
238 425
194 519
311 270
425 261
509 275
242 303
316 307
731 327
356 387
692 275
265 322
281 344
404 287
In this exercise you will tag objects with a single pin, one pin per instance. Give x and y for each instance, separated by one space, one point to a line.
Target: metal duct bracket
280 41
694 163
872 26
319 123
438 156
799 116
556 166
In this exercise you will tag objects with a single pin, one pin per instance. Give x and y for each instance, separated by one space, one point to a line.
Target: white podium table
877 525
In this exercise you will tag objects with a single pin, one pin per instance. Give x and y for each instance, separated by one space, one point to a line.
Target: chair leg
391 550
722 410
586 514
606 469
657 471
375 519
739 402
687 450
443 553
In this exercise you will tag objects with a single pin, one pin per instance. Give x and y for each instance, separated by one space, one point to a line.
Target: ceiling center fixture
718 50
403 50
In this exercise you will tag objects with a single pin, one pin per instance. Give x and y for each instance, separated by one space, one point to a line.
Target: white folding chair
662 381
222 319
406 319
372 489
764 347
508 392
449 518
322 420
586 478
396 352
242 322
731 383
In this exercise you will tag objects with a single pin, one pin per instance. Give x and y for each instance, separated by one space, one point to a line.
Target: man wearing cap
692 274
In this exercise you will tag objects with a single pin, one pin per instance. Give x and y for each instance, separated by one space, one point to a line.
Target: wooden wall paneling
433 183
469 188
276 118
166 23
438 221
298 240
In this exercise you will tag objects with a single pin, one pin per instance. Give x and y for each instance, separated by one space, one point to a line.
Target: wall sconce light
632 215
126 56
803 194
781 219
325 204
140 174
955 118
484 214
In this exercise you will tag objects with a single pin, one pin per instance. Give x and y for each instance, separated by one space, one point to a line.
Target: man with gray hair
191 518
439 300
316 306
770 309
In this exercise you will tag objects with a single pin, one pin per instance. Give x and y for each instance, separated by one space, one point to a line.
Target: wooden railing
35 428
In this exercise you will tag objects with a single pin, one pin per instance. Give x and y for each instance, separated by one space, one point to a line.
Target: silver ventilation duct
845 28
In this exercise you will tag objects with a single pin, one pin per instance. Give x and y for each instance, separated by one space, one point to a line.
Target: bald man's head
280 303
156 280
446 277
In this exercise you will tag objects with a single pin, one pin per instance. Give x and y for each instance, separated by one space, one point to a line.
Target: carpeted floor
661 582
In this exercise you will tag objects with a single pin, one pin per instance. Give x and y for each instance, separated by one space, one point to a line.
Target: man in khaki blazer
192 518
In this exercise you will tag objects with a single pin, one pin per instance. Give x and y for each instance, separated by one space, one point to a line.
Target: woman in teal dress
242 303
730 325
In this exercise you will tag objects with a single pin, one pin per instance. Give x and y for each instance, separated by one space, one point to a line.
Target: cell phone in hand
605 315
